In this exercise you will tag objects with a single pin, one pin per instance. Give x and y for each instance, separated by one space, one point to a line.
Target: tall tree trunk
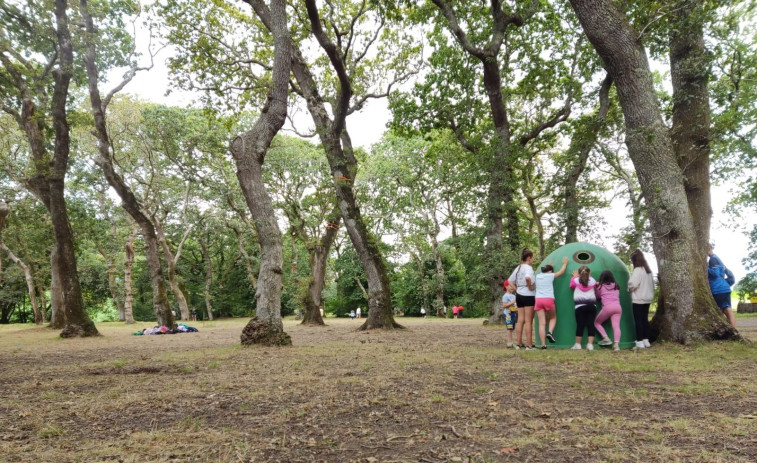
113 285
690 71
248 151
442 278
173 261
128 290
208 278
129 201
687 312
581 144
319 254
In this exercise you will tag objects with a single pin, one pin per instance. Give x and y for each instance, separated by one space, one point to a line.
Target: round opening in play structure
584 257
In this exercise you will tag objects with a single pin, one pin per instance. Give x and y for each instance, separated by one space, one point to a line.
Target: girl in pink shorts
608 293
545 301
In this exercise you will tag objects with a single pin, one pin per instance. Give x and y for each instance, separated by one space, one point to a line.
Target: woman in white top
524 279
641 287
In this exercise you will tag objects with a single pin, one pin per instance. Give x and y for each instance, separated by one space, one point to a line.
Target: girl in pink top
608 293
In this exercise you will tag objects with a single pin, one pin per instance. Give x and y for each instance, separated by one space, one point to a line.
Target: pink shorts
545 303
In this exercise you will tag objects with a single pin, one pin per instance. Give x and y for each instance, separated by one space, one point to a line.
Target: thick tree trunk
248 151
130 203
208 279
128 291
343 167
687 312
319 254
690 71
341 162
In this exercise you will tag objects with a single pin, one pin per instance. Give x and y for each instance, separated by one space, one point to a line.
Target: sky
367 126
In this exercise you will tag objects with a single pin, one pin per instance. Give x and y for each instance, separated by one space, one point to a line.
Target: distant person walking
641 287
721 279
525 281
455 309
358 312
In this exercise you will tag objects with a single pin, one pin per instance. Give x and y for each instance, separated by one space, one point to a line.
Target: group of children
528 294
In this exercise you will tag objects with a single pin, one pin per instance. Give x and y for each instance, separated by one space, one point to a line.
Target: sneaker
550 337
544 347
509 344
605 342
615 347
639 345
530 347
646 343
533 346
518 347
577 346
589 346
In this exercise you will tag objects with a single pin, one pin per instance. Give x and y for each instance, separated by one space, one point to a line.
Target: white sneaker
639 345
589 346
605 342
646 343
615 347
576 346
509 344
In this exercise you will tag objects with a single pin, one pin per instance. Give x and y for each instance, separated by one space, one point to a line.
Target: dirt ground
438 391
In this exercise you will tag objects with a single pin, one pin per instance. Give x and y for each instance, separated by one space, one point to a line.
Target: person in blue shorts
719 286
510 311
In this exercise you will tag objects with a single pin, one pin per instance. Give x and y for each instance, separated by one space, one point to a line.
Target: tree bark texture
128 291
687 312
319 254
690 71
173 261
129 201
208 278
248 151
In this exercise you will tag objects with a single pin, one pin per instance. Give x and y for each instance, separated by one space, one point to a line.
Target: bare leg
730 316
552 317
542 326
528 324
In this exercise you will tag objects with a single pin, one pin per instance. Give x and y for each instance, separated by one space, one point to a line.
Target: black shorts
524 301
723 300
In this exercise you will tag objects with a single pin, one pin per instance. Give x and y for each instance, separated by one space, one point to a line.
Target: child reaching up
608 293
585 300
509 312
545 301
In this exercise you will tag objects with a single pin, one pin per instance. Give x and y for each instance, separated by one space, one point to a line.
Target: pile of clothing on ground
180 328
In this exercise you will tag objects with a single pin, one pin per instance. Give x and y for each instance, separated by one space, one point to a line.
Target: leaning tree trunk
581 144
208 278
4 211
689 72
687 313
319 255
248 151
129 201
128 291
173 261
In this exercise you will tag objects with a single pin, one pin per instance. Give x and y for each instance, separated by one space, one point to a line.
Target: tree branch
454 26
558 117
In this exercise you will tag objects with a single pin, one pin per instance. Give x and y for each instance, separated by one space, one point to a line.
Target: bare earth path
439 391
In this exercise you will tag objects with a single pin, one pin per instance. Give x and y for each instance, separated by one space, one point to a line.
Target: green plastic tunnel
597 259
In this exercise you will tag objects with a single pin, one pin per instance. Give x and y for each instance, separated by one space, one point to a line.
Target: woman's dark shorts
723 300
524 301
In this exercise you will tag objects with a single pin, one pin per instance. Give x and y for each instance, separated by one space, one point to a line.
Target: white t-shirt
544 285
518 277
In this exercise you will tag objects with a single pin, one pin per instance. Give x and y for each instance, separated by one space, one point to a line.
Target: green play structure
597 259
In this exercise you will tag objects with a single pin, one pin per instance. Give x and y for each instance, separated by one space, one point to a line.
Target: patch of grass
213 365
437 398
51 430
